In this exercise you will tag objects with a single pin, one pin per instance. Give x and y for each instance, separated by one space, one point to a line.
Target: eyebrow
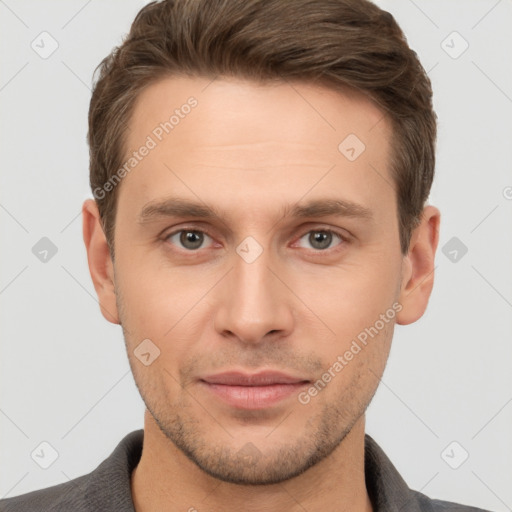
179 207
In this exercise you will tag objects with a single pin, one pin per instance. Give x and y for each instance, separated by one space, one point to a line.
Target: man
260 171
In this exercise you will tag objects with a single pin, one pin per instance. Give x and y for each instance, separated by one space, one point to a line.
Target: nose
254 301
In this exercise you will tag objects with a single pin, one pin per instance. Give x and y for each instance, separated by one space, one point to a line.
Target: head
304 135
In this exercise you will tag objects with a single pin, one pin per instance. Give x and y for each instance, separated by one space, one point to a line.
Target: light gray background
64 373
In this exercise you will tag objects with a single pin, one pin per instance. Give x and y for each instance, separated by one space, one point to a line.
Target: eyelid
336 231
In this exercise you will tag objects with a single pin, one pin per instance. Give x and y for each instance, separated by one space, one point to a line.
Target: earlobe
99 260
418 267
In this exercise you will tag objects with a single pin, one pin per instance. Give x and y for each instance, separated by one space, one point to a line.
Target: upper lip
263 378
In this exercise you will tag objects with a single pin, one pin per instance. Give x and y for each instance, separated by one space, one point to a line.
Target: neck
165 479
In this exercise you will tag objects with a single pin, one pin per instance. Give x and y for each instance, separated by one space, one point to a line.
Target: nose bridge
254 301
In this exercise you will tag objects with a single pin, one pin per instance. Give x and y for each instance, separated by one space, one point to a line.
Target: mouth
252 391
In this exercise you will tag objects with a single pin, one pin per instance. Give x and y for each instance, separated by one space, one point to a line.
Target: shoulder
105 488
389 491
427 504
65 496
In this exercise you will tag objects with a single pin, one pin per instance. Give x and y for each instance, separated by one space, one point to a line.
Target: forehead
228 139
263 108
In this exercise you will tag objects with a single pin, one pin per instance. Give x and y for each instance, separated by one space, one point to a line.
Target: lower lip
253 397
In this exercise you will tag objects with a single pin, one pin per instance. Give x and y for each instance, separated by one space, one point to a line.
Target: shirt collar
386 488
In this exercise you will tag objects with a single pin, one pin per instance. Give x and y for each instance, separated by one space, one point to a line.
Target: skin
249 149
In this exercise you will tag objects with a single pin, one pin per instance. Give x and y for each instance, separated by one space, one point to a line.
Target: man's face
257 288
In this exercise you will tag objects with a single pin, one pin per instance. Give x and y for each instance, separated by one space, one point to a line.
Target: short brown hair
339 43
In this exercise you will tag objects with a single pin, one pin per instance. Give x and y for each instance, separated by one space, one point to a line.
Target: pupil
320 239
191 239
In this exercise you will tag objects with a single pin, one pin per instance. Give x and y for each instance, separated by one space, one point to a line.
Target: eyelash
344 239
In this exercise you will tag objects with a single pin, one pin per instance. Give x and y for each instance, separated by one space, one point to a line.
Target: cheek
362 357
154 296
169 307
352 297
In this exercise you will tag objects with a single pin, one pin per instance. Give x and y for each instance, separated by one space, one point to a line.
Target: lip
263 378
252 391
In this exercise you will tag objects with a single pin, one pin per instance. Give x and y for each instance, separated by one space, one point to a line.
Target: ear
99 260
418 267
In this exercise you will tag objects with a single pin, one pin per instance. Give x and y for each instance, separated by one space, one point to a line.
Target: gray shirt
107 488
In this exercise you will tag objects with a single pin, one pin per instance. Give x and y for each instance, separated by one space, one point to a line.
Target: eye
190 239
321 239
194 239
